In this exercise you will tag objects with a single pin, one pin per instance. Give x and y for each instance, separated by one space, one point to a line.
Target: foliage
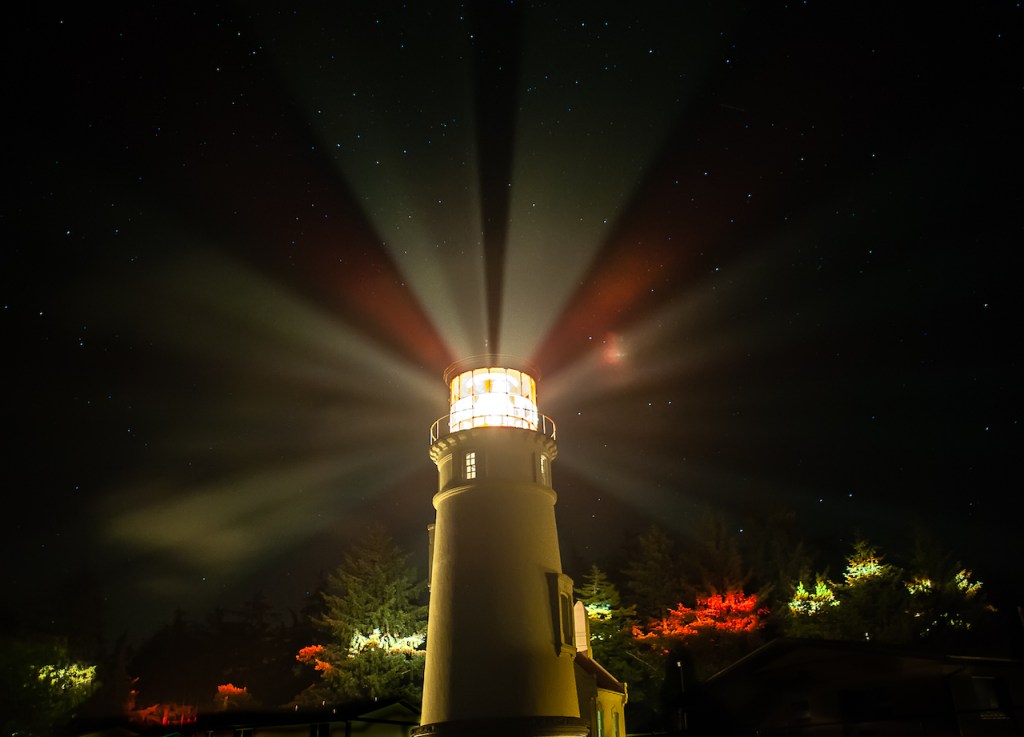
867 605
611 627
231 697
730 612
865 565
814 602
42 684
248 645
776 555
164 714
652 573
373 626
721 628
931 602
713 559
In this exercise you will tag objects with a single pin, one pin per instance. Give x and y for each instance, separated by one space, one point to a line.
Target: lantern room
492 397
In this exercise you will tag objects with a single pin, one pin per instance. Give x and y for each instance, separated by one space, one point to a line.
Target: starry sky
764 254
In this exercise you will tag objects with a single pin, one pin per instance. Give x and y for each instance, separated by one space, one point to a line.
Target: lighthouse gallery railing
441 428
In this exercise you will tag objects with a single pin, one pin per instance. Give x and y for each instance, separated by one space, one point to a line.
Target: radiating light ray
584 143
725 318
308 388
291 423
419 188
243 322
742 308
227 524
223 532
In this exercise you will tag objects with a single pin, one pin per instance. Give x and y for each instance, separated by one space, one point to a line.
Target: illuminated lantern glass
493 397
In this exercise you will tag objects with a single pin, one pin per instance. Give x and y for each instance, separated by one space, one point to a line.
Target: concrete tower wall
499 645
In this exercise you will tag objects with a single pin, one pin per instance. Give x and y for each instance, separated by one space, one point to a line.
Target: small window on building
544 470
565 609
600 722
616 720
471 465
562 613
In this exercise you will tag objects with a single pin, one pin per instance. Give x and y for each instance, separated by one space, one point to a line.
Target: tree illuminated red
311 656
733 611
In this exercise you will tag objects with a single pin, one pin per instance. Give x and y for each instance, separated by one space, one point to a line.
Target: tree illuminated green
869 604
42 685
373 626
947 603
611 627
931 601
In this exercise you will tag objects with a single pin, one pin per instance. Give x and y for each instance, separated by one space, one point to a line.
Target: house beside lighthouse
501 648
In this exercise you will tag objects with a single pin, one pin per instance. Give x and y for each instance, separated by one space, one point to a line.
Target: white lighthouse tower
500 629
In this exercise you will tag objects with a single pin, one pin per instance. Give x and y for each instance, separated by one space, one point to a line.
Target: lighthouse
500 630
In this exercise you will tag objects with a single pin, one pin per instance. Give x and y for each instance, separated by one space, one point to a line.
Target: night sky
765 255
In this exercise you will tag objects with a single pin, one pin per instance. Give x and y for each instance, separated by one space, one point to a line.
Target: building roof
788 651
603 678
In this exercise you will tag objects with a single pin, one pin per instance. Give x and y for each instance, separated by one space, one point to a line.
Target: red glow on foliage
164 714
730 612
229 689
310 655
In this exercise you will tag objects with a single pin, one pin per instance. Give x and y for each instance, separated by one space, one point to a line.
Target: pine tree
935 601
373 625
777 556
870 603
611 625
948 606
653 581
715 561
873 600
719 630
42 685
616 649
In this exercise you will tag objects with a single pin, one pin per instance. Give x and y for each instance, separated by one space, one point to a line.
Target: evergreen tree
933 601
948 606
714 561
777 557
712 621
872 601
653 579
41 684
719 630
809 609
373 626
611 627
615 648
252 651
189 646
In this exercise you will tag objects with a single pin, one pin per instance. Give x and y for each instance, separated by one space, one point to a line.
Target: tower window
471 465
565 614
561 609
544 470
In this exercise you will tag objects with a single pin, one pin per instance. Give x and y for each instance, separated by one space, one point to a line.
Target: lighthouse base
506 727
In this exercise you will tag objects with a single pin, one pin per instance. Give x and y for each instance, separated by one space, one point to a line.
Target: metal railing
441 428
